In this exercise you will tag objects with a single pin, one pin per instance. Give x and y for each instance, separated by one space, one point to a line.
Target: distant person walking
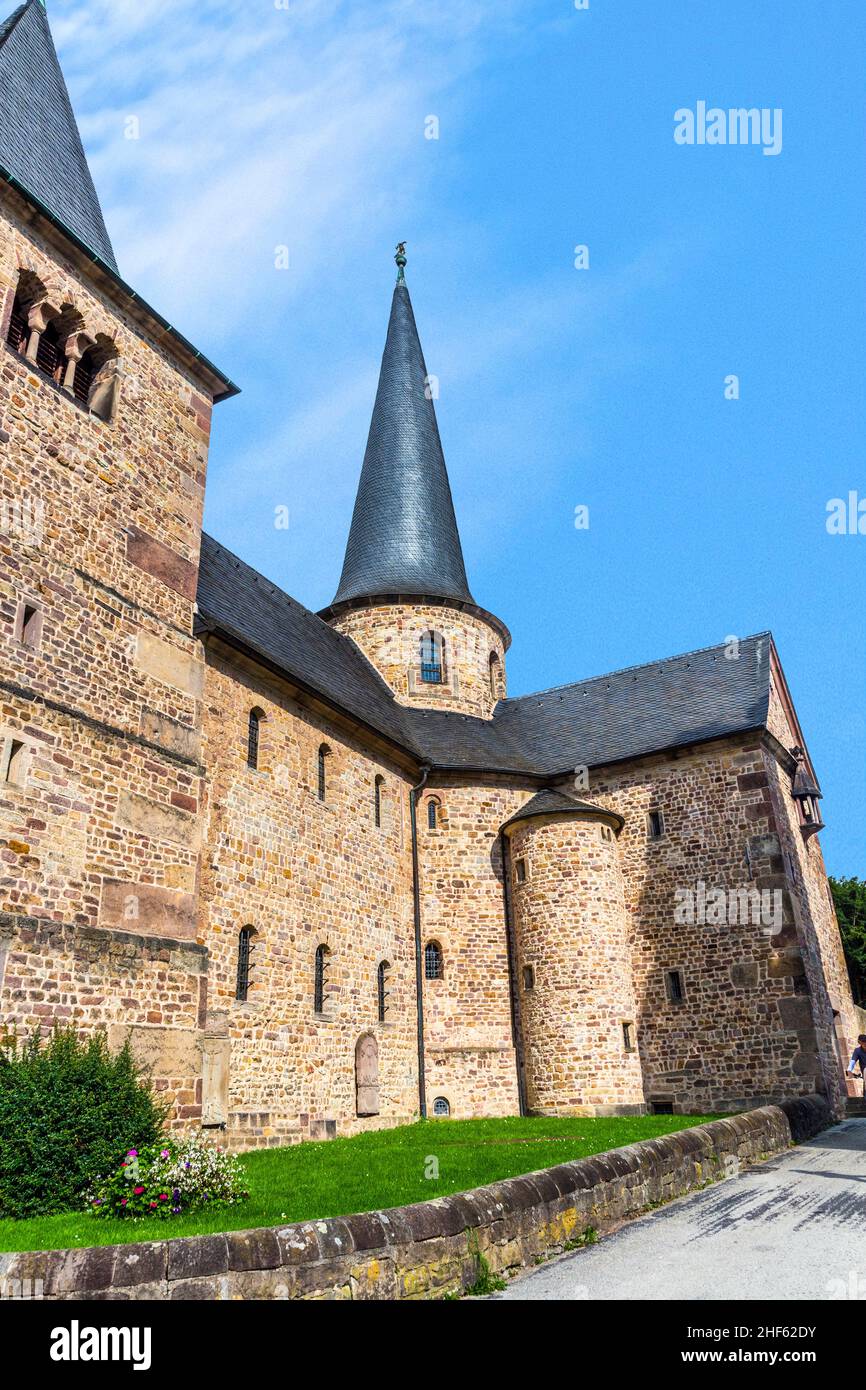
858 1058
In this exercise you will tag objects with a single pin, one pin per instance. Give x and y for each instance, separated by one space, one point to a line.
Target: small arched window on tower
382 990
432 658
495 676
253 735
434 814
433 969
441 1108
320 979
378 799
246 945
322 789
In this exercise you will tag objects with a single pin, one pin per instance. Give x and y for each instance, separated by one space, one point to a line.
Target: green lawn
386 1168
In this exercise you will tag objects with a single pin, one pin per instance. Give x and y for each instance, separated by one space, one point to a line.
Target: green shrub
69 1111
169 1179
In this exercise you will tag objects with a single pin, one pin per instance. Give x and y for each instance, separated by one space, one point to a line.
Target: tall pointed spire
403 538
40 146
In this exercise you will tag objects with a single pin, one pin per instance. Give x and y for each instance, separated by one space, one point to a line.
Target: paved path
794 1227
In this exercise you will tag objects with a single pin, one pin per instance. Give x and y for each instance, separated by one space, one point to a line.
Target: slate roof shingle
40 146
550 802
625 714
403 538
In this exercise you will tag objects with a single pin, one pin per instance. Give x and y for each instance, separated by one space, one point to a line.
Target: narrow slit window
246 939
628 1037
520 870
377 801
382 989
528 977
655 824
432 815
675 985
322 789
253 736
320 980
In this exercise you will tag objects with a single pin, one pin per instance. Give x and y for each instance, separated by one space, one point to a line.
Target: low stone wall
432 1248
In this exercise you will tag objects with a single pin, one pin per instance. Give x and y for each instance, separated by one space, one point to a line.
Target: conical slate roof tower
404 537
40 147
403 596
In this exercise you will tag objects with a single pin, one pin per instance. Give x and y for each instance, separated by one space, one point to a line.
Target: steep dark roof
664 704
642 709
247 609
403 538
40 146
549 802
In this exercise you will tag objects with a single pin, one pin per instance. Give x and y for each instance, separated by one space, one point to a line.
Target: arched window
49 354
432 814
321 979
324 754
432 658
433 961
82 381
18 335
441 1108
495 670
382 988
253 728
377 799
246 945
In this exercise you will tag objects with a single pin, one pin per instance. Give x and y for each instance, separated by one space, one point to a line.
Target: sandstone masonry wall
571 932
389 635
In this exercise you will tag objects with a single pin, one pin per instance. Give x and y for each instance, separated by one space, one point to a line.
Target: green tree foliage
849 895
69 1111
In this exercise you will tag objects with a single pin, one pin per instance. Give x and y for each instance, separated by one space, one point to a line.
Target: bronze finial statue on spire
400 258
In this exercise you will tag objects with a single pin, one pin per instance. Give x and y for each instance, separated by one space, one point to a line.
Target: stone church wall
470 1059
99 532
744 1032
304 873
390 635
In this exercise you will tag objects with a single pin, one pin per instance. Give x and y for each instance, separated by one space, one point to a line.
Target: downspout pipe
513 982
414 794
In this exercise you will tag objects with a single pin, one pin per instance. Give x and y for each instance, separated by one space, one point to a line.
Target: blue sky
304 127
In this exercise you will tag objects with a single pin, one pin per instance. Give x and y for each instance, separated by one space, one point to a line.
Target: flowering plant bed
169 1179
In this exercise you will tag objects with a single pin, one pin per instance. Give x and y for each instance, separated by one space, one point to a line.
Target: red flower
138 1191
153 1204
163 1196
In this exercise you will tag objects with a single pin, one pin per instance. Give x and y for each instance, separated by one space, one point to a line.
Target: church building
321 869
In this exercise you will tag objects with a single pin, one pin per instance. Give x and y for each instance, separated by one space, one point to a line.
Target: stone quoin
320 869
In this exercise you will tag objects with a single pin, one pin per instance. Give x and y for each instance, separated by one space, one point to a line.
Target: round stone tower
573 965
403 596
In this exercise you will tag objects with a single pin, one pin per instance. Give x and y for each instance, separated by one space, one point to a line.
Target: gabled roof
626 714
40 147
403 539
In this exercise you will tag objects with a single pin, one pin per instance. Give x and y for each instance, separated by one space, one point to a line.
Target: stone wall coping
154 1267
